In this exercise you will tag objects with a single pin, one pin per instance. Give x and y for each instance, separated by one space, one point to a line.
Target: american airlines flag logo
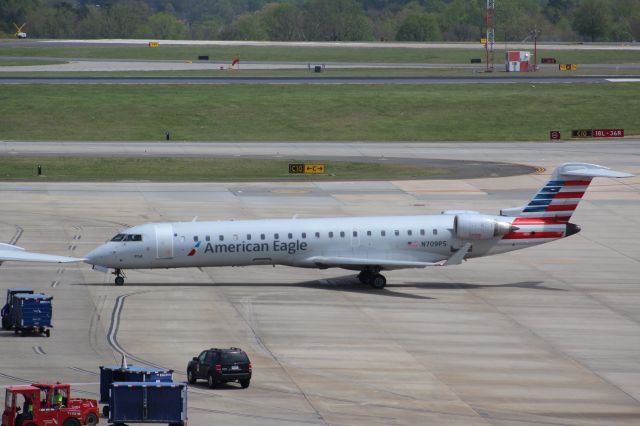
194 250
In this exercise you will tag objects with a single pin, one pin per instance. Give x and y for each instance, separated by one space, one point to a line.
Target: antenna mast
491 32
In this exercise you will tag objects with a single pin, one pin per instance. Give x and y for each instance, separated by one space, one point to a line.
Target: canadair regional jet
366 244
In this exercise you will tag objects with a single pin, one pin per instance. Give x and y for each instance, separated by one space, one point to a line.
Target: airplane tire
119 280
378 281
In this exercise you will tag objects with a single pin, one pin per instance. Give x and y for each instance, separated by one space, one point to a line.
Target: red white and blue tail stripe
546 216
557 200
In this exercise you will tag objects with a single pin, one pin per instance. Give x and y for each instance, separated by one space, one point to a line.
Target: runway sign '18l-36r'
607 133
597 133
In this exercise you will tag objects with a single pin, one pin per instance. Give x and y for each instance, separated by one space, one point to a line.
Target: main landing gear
119 276
373 277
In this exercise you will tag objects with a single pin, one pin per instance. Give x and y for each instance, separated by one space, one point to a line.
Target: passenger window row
303 235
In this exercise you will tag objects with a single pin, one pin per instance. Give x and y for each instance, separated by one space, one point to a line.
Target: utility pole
491 33
535 33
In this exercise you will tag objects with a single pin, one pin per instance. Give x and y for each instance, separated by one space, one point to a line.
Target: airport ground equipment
128 373
31 313
19 33
7 309
148 402
46 408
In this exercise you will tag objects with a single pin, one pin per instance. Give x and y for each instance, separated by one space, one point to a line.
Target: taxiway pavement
549 335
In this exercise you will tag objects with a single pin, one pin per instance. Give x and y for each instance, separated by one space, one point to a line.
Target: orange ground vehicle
42 404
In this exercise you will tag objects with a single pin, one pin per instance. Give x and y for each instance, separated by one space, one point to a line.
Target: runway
220 66
549 335
526 79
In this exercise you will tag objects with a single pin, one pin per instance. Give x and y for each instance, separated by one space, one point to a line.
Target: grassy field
194 169
26 62
304 54
301 113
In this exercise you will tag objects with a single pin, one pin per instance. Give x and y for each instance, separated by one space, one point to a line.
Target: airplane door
164 241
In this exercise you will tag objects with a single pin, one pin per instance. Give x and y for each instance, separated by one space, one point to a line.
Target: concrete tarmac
549 335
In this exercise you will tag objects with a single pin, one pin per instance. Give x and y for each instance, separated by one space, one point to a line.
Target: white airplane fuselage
300 242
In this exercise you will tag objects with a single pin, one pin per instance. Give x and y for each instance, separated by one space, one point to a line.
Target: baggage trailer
42 404
7 309
128 373
148 402
32 314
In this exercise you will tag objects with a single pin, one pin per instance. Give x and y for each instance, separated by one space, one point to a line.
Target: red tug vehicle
47 404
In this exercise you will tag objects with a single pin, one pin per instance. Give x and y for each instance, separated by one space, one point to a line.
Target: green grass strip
310 113
195 169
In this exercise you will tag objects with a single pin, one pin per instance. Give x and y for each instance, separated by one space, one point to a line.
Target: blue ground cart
7 309
31 313
128 373
148 402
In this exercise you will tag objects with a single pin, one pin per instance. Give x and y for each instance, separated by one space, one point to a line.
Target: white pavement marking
623 80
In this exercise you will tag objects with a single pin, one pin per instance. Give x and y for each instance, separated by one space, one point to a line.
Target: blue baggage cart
7 309
32 313
128 373
148 402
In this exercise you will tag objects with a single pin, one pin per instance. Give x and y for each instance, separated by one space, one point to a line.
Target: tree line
324 20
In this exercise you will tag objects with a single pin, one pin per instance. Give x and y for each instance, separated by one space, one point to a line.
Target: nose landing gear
373 277
119 276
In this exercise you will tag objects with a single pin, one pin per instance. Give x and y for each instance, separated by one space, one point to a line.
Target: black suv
220 366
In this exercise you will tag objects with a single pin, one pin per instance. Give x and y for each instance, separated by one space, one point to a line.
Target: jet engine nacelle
479 227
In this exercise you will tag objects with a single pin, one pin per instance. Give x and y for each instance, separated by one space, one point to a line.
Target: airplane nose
97 256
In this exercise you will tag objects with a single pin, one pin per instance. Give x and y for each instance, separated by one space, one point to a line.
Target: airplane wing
15 253
356 263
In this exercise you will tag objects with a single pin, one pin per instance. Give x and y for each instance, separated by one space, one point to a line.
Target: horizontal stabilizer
589 170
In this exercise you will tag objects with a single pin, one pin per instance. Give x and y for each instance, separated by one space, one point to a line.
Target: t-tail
546 216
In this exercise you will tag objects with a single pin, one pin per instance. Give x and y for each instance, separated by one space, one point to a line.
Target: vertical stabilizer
560 196
546 216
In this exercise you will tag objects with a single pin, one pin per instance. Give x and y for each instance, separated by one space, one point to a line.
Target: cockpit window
118 237
133 237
